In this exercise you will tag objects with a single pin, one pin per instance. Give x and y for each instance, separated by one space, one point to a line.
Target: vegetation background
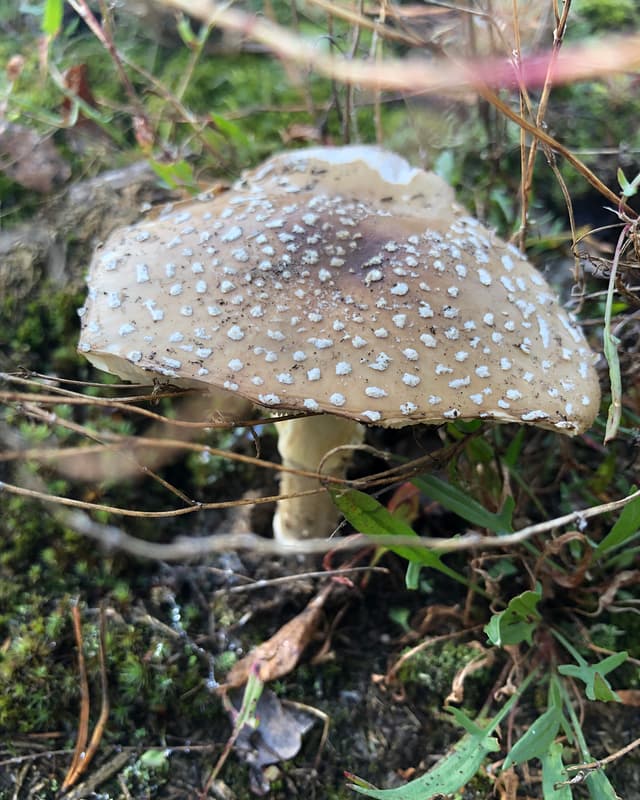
108 108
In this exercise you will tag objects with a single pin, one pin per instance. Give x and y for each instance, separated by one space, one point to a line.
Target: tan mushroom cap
340 280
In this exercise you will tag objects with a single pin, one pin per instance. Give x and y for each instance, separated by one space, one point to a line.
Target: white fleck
323 274
227 286
201 287
453 291
381 363
410 380
157 314
488 318
585 400
504 404
232 234
214 311
337 399
285 377
175 290
197 268
204 352
410 353
425 310
528 377
373 416
513 394
270 357
428 340
256 312
458 383
381 333
240 254
497 337
314 374
113 300
505 363
530 416
450 312
142 273
337 325
127 328
434 400
173 363
485 277
375 392
358 342
482 372
257 380
461 356
399 320
443 369
235 333
268 399
186 311
321 344
399 289
452 333
507 262
508 284
310 404
235 365
452 413
408 408
476 398
135 356
170 270
277 336
343 368
461 270
299 355
230 386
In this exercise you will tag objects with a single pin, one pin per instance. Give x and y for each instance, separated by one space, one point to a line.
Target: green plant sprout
516 625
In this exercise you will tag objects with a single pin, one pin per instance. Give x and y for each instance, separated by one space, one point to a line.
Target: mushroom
342 283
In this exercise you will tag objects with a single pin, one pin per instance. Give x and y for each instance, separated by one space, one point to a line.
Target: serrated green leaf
52 17
517 622
460 503
626 526
369 516
553 774
458 766
537 740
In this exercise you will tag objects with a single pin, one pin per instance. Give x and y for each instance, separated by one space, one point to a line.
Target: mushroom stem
303 444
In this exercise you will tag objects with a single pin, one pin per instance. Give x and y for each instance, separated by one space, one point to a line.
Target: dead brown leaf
31 159
279 655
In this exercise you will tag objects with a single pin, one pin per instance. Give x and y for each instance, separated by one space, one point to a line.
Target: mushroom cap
340 280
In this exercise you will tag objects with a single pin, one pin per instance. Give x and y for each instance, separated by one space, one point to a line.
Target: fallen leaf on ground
278 737
280 654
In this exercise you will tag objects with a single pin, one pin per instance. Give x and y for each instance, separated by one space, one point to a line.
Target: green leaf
554 775
626 526
368 516
517 622
52 17
537 740
592 675
457 767
460 503
154 759
599 786
176 174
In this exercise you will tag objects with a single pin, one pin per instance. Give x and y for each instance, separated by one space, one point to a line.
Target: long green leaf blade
460 503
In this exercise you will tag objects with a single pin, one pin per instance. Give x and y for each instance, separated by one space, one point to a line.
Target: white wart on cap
340 280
